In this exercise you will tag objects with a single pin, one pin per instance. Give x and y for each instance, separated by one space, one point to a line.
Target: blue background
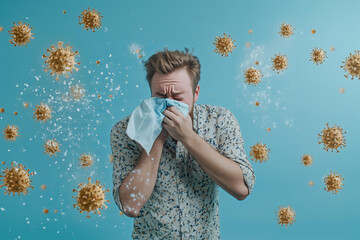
296 105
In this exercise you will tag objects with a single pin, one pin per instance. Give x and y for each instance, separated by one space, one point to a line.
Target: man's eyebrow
176 93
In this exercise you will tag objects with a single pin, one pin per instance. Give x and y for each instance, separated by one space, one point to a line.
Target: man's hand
179 127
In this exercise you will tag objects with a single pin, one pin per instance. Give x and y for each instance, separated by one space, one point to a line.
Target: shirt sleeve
231 145
125 153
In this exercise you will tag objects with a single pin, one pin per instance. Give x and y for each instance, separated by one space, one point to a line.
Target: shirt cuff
117 199
249 177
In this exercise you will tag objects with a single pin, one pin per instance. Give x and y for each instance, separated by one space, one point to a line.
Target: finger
166 120
175 110
169 114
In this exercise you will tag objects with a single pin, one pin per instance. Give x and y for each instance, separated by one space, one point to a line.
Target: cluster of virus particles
331 137
91 197
225 45
59 60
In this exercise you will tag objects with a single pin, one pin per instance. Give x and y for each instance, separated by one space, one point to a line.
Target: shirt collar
195 120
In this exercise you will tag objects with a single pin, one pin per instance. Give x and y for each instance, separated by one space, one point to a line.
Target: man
172 193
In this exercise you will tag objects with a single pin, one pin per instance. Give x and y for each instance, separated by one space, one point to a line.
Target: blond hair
168 61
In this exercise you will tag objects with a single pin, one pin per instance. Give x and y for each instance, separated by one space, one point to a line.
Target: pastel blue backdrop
296 104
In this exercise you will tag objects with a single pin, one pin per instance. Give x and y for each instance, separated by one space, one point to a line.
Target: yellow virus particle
2 110
252 76
15 113
307 160
61 60
268 129
257 103
11 132
352 65
247 44
1 29
43 186
91 19
250 31
46 211
86 160
98 62
286 30
90 197
342 90
52 147
332 48
279 63
332 137
259 152
16 179
140 56
21 34
137 50
286 216
256 63
26 104
318 56
77 92
313 31
2 162
333 182
311 183
224 45
42 112
55 211
64 12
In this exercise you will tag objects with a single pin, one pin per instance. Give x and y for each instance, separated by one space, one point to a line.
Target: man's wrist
189 139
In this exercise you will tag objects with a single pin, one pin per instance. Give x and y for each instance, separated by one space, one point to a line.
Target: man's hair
168 61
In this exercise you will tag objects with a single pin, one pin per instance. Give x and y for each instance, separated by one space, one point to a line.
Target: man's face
176 85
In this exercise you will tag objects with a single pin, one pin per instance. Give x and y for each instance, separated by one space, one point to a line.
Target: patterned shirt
184 203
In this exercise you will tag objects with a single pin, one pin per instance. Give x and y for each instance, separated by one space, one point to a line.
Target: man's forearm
222 170
138 185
